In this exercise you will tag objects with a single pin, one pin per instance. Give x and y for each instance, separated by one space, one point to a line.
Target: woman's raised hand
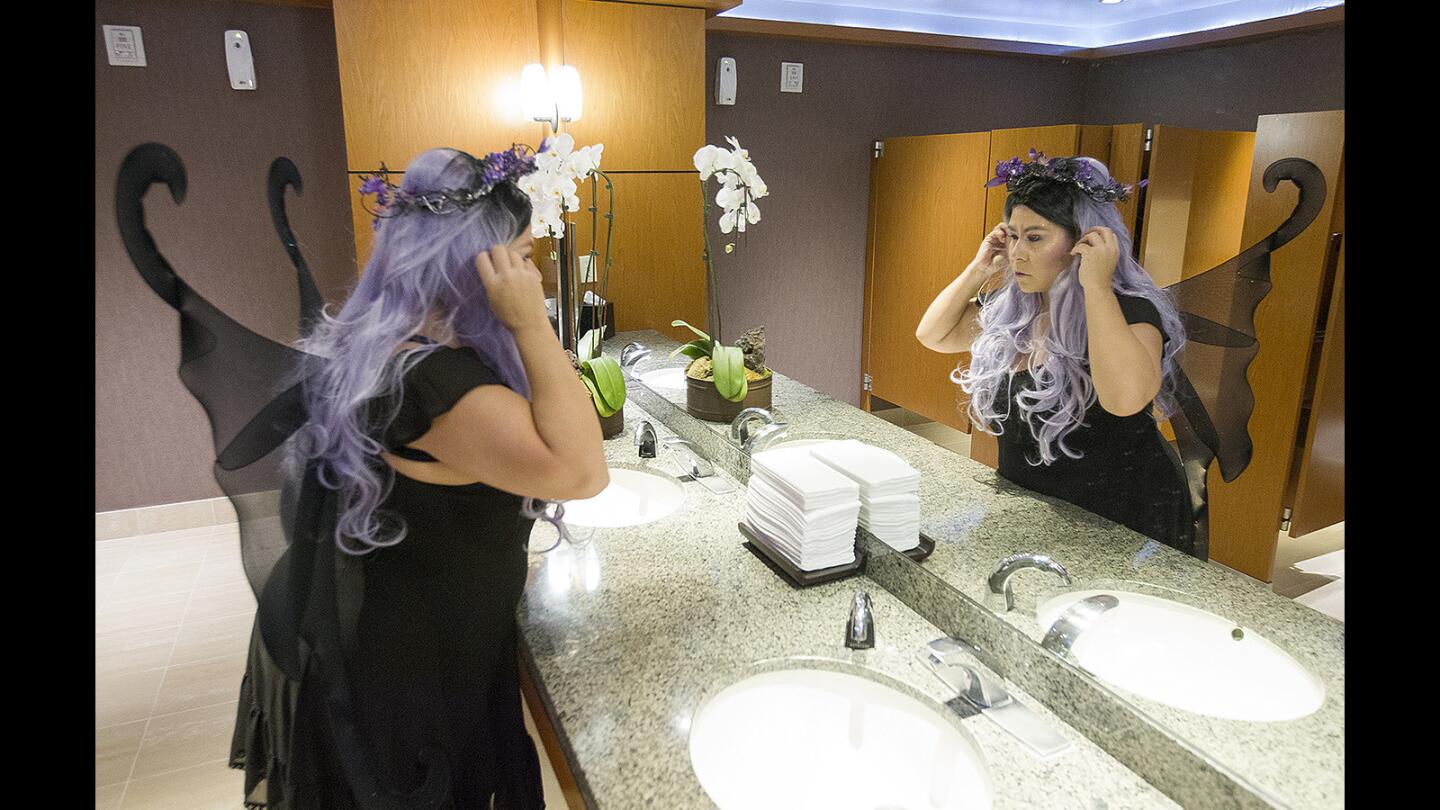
993 255
512 283
1099 252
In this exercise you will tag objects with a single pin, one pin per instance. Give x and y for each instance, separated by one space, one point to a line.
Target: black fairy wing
283 173
248 384
1217 308
251 390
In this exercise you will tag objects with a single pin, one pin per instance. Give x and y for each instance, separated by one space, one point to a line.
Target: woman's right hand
993 255
512 283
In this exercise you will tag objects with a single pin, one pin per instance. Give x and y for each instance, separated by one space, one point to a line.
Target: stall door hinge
869 382
879 149
1285 519
1148 134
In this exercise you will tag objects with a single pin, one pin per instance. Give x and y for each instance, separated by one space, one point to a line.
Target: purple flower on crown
372 185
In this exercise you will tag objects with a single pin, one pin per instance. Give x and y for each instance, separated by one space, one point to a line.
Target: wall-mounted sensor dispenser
725 81
238 60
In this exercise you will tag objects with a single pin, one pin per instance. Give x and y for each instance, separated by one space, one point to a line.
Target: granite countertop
627 636
977 518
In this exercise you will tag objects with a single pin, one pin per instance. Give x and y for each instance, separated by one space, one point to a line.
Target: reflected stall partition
1201 679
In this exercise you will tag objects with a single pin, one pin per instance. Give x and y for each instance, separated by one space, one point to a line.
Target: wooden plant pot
702 400
612 425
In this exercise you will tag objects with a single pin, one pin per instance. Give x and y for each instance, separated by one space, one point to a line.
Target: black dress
1127 471
431 657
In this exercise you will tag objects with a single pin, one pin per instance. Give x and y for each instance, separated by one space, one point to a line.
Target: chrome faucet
947 658
1000 597
1075 620
765 436
692 459
632 354
977 692
740 425
860 629
645 440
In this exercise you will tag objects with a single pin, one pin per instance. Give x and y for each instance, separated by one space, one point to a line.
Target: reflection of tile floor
173 613
1288 551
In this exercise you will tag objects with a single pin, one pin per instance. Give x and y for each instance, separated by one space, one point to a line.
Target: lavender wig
1062 390
421 278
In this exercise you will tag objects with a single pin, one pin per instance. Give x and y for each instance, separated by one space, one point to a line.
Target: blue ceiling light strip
1065 23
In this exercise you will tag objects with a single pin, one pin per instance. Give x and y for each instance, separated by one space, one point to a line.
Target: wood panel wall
1245 514
429 73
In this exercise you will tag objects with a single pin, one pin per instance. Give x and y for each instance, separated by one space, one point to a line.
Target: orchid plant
560 168
601 375
726 362
740 186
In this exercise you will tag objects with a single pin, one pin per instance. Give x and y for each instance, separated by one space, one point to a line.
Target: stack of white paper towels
808 510
889 489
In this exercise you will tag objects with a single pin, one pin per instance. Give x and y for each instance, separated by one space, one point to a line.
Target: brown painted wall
152 441
1221 86
801 271
813 151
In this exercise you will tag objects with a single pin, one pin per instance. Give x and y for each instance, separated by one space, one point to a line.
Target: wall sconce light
552 96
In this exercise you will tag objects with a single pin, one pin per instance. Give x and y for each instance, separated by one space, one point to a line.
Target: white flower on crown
741 183
552 186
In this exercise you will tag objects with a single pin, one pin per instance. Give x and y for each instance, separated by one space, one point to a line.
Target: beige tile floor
173 613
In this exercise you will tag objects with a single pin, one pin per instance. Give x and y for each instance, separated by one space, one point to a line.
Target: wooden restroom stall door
927 210
1245 514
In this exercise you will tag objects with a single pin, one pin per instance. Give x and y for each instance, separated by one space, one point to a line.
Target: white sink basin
670 379
632 498
803 739
1188 658
799 443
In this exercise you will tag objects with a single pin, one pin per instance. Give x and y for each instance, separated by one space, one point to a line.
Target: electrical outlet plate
124 45
792 77
587 269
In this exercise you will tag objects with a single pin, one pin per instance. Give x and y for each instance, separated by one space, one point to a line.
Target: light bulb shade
539 105
565 84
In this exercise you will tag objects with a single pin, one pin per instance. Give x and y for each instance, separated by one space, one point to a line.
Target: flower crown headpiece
1020 176
490 171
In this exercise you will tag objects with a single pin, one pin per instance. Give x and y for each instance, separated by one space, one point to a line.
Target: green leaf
702 335
609 381
730 372
589 346
694 350
600 406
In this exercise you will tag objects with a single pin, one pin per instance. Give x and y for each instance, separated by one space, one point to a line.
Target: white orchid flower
727 221
724 160
752 213
742 154
730 197
585 160
705 161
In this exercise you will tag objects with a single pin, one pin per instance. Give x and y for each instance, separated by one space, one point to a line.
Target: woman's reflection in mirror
1070 349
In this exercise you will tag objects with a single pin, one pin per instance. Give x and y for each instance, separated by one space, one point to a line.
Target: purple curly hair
1063 390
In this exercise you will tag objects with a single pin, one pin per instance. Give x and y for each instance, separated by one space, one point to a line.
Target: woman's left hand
1099 252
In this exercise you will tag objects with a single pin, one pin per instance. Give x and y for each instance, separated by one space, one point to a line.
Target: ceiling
1065 23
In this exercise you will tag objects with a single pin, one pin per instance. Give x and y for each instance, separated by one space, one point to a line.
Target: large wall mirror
1196 647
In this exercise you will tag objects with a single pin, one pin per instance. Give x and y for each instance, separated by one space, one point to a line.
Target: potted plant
721 381
601 375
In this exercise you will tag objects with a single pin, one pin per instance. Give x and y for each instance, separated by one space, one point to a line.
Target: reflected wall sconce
552 96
